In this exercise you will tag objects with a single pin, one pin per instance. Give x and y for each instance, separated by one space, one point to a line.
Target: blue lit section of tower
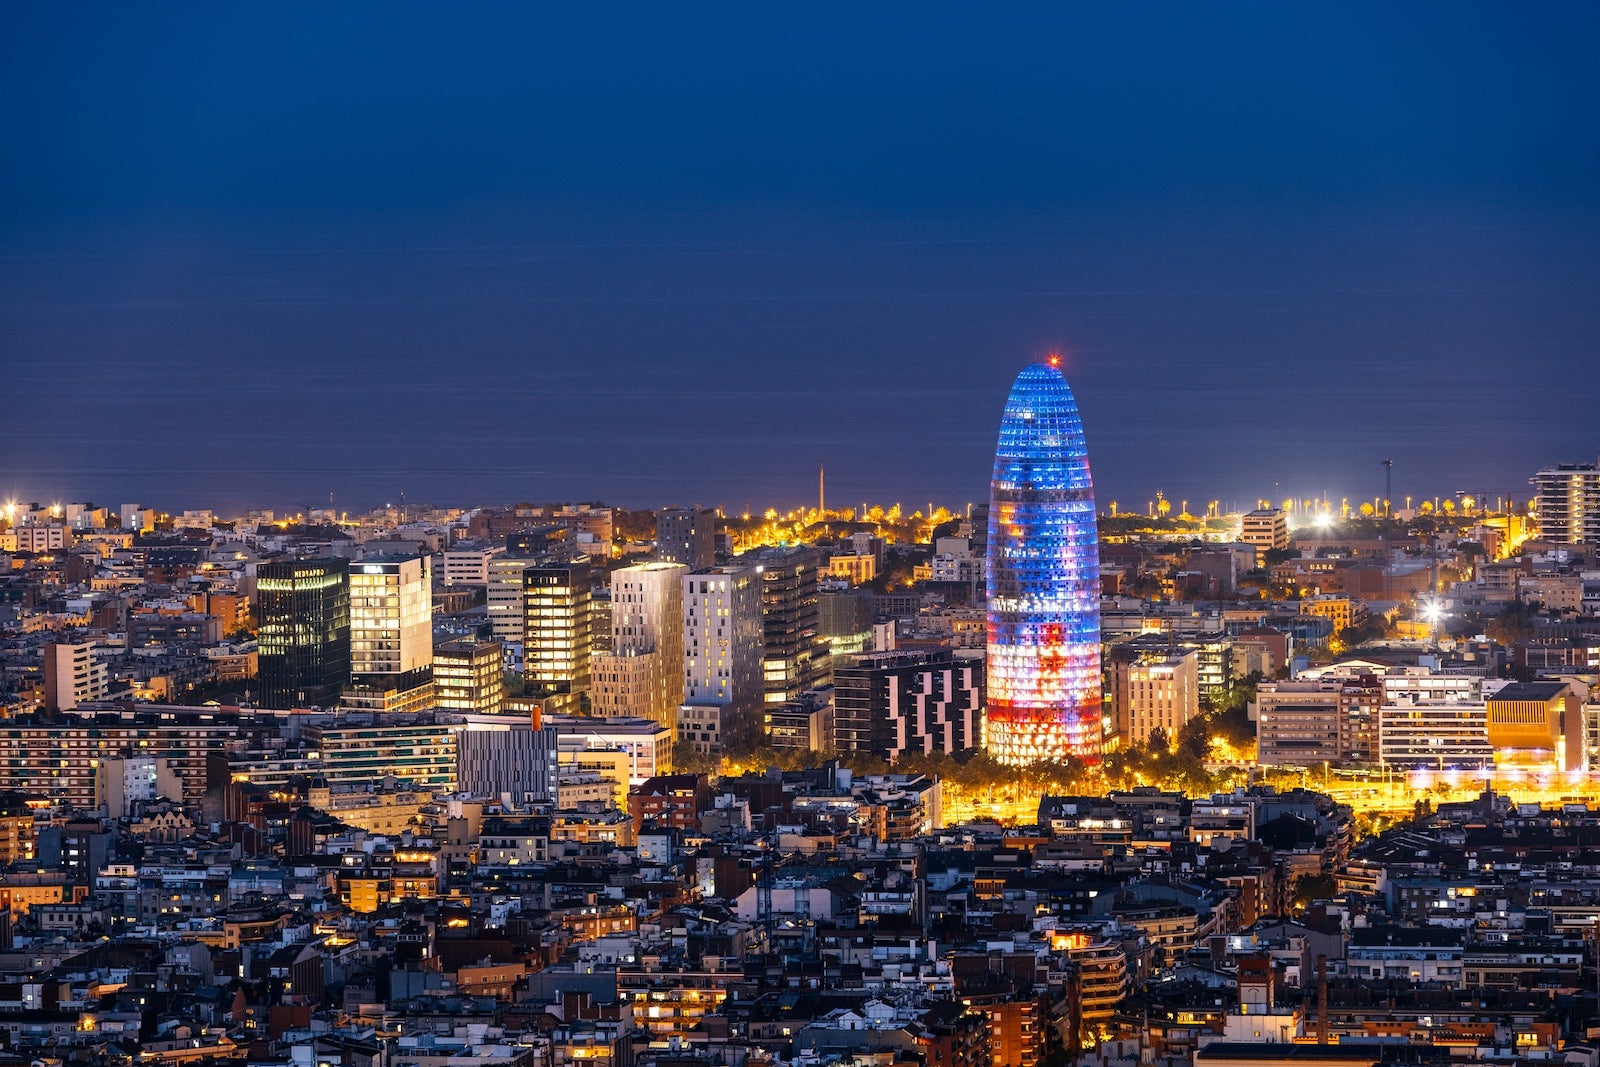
1043 579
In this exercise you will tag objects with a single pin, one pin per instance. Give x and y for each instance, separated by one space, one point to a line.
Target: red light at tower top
1054 359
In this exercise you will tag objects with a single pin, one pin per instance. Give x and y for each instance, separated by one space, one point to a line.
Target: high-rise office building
304 632
722 653
1044 687
469 676
1568 500
556 639
646 657
795 655
391 634
687 536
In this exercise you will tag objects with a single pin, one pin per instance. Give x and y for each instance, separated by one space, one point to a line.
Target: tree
1194 737
1513 626
1309 888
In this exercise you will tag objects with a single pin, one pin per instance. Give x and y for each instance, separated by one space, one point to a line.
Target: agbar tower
1043 579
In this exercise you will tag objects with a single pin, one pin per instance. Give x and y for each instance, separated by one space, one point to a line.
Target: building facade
72 675
469 676
1265 529
1044 686
722 650
304 632
556 636
391 634
647 640
1163 694
888 704
795 656
687 536
499 757
1567 497
506 597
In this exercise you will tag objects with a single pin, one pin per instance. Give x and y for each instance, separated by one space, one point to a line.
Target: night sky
252 255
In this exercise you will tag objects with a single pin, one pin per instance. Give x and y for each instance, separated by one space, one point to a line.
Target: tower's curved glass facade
1043 579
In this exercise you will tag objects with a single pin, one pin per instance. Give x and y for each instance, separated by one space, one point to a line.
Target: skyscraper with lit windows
1044 685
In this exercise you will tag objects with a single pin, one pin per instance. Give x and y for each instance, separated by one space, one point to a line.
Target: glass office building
304 632
1044 687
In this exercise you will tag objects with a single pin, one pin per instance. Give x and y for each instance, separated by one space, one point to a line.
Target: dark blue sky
655 253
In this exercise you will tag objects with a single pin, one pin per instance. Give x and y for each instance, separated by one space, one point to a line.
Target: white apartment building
1163 693
73 676
722 638
468 563
506 598
1437 734
646 621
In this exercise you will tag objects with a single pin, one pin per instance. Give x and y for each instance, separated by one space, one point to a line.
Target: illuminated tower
1044 579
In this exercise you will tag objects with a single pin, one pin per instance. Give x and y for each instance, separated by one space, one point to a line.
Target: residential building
803 724
1567 500
61 760
687 536
644 671
73 675
795 655
670 801
888 704
722 653
1163 693
1435 734
416 751
467 563
1265 529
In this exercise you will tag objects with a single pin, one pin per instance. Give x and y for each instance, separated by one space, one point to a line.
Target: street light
1433 612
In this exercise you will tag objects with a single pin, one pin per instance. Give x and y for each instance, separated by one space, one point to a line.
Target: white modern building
1436 734
467 563
647 743
1568 500
506 597
721 648
391 634
646 642
73 675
